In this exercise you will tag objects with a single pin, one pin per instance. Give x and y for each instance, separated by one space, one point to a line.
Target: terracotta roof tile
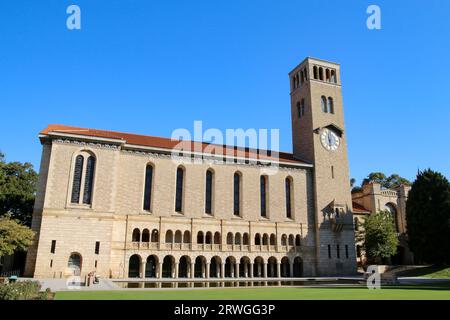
166 143
359 208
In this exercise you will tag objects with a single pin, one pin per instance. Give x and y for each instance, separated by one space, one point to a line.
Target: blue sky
153 66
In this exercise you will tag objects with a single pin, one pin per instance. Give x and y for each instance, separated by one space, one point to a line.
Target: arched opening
245 239
272 267
298 267
187 237
229 238
214 267
273 240
200 237
183 267
324 104
74 263
330 105
265 239
199 268
134 265
315 73
145 235
237 238
285 267
284 240
244 267
393 210
320 73
230 263
150 266
257 239
178 236
291 240
327 74
136 235
258 266
168 267
217 238
155 235
208 239
169 236
333 76
297 240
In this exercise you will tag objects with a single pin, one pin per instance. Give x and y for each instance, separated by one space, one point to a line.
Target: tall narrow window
263 186
315 72
333 76
148 187
97 247
320 73
179 190
330 105
288 198
338 251
76 185
237 194
329 251
324 104
89 180
208 191
53 247
346 251
299 110
332 172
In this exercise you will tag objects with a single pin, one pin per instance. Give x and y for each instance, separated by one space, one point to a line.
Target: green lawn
428 272
417 292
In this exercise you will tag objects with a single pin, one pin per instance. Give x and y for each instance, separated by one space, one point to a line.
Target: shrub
23 290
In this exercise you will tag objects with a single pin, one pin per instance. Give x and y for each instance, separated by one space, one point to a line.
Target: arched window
200 237
237 238
148 187
136 236
315 72
333 76
283 240
263 187
320 73
178 236
297 240
288 187
257 239
155 235
330 105
89 180
229 238
237 194
187 237
217 238
145 235
327 74
302 77
179 190
208 238
299 110
324 104
208 191
169 236
245 239
77 175
273 239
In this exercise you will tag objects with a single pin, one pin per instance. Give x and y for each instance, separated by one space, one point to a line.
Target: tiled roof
169 144
357 208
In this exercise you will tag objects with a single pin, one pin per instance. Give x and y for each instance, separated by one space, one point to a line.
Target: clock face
329 139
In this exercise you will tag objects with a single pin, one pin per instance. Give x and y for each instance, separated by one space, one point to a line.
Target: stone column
142 271
237 273
222 270
192 270
265 270
160 269
176 270
291 269
251 270
278 270
245 270
207 270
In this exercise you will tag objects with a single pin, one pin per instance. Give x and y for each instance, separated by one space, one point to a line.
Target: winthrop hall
118 204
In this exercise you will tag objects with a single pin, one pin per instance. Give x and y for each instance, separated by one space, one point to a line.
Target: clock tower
319 137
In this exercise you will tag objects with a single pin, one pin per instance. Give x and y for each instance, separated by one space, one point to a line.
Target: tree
379 237
18 183
428 218
13 236
391 182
